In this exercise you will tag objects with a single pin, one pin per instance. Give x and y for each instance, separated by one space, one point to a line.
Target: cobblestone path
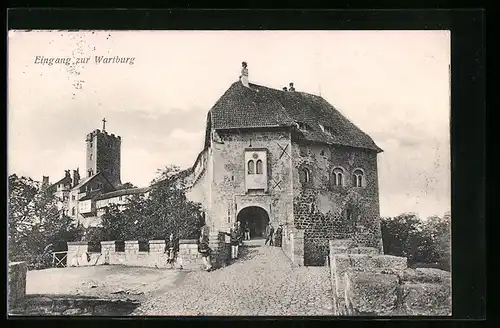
262 282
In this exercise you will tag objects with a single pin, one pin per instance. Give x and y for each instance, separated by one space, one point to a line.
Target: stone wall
293 244
318 204
51 305
77 253
16 288
364 282
188 253
157 255
221 250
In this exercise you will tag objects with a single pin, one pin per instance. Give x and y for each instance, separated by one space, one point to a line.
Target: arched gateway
256 217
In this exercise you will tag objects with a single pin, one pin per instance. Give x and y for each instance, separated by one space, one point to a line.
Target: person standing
204 233
234 241
205 252
172 250
269 234
247 231
239 229
278 236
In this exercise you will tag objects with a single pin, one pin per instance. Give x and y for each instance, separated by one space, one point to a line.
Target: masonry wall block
16 287
365 282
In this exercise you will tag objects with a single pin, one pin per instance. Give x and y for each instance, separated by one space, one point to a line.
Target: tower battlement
96 132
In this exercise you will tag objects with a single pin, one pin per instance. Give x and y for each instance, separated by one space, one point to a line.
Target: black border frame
468 116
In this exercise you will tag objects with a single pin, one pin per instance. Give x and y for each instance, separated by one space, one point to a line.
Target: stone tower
103 155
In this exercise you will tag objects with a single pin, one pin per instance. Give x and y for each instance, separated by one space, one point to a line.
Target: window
329 130
259 167
251 167
347 213
338 177
304 176
72 197
120 198
358 177
91 144
303 151
90 156
73 211
302 126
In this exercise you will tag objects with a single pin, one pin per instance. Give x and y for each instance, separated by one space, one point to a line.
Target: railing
58 259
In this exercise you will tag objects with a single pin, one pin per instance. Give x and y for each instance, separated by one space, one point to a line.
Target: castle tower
103 155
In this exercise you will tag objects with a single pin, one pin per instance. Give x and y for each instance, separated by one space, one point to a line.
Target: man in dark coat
269 234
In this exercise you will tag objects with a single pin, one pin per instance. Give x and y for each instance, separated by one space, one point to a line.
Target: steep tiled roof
66 181
123 192
241 107
86 180
90 195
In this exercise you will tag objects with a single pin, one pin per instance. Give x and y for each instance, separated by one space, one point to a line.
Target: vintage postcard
229 173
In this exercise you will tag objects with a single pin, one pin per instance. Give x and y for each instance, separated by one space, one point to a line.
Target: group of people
237 234
274 238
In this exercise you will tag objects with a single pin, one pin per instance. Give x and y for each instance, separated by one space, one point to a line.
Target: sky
394 85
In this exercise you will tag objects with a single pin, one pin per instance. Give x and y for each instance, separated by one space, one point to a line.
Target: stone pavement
262 282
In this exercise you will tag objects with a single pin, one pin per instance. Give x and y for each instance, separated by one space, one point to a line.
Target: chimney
76 177
67 174
45 180
244 74
284 89
291 88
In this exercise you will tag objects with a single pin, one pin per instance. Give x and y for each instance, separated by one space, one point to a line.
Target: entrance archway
256 218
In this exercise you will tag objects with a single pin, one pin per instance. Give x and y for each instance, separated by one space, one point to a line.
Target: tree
422 242
167 210
35 224
438 230
399 234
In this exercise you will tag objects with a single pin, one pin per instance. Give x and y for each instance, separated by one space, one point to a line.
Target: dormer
303 126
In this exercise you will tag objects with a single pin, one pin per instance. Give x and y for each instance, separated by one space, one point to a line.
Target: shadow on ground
248 253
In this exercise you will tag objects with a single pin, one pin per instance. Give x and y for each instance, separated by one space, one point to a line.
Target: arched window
357 178
338 177
258 167
90 156
72 211
304 176
251 167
